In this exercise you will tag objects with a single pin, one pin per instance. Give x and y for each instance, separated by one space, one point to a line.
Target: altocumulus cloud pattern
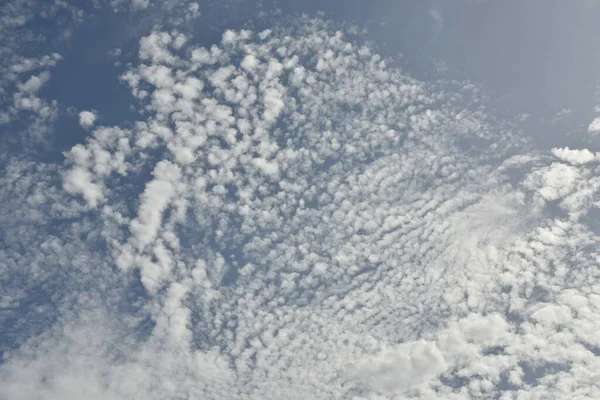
285 214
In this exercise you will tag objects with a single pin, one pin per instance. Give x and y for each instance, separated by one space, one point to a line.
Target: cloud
403 367
435 12
79 181
139 4
576 157
293 216
594 126
561 115
555 181
28 55
87 119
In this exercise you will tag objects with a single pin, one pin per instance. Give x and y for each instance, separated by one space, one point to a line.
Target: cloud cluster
293 218
27 56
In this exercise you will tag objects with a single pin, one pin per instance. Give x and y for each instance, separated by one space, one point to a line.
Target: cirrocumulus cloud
295 217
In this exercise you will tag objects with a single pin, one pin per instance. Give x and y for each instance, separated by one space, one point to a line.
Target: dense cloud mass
292 216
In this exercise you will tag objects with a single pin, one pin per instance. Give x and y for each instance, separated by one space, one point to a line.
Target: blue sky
325 200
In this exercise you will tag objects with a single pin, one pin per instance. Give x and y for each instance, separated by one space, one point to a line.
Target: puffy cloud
87 119
576 157
35 83
155 47
154 201
404 366
594 126
295 218
80 181
555 181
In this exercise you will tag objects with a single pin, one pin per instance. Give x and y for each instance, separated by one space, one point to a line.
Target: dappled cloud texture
293 217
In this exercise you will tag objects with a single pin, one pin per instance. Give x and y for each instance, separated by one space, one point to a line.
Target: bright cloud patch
594 126
87 119
575 156
293 217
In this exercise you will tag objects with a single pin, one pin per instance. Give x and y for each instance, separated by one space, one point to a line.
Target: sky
271 199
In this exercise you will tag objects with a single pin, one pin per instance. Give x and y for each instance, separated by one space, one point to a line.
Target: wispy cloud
436 14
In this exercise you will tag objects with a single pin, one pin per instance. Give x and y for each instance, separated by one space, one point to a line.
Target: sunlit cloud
293 216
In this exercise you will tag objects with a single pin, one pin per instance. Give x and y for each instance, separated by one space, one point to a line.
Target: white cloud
555 181
139 4
594 126
404 366
154 201
561 115
80 181
155 48
194 9
295 219
87 119
35 83
576 157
